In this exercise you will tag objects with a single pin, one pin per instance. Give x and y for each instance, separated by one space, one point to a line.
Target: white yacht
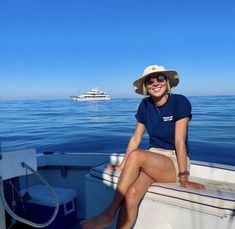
93 95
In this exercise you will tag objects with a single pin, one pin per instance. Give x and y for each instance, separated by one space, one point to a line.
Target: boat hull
90 99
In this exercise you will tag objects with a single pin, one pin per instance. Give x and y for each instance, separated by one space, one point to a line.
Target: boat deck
19 225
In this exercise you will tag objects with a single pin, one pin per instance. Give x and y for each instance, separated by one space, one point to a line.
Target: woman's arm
133 144
181 128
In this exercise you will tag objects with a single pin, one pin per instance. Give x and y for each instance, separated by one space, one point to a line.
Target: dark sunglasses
159 79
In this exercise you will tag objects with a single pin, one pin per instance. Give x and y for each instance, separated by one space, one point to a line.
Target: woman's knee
131 198
134 156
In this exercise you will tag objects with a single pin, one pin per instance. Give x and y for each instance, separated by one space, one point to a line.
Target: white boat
93 95
84 188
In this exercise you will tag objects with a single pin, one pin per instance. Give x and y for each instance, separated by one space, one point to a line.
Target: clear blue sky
53 48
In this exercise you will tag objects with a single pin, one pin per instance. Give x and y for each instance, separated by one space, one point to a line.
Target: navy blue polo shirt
160 121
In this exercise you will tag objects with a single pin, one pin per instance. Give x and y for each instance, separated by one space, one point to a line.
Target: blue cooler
40 208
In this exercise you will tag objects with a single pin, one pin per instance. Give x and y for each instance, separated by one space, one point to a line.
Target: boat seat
217 199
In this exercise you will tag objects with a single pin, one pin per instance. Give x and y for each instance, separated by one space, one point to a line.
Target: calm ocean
104 127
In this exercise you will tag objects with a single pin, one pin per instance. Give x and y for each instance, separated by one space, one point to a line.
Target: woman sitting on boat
165 116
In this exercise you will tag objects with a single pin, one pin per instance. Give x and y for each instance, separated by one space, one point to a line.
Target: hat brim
170 74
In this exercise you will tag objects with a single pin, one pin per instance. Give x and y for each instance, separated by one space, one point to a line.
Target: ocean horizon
67 126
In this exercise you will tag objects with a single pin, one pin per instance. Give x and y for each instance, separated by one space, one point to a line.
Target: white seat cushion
218 198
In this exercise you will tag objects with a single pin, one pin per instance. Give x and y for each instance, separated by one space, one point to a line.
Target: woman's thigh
159 167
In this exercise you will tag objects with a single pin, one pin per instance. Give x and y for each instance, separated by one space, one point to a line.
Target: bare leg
129 208
158 167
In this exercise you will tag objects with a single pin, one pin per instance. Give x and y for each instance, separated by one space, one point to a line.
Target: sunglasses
159 79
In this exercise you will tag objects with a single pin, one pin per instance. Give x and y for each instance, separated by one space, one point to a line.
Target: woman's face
156 85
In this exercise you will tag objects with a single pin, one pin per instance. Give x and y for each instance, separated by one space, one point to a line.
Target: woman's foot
97 222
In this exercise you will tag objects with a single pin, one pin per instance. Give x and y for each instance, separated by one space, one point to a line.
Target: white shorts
172 155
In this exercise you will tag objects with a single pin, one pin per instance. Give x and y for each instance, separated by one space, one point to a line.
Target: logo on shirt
168 119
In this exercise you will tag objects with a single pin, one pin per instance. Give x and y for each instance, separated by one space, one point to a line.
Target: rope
20 219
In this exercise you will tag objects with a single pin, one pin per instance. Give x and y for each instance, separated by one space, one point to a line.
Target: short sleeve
140 113
183 108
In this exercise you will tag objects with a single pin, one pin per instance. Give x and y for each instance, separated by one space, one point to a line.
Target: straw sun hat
155 69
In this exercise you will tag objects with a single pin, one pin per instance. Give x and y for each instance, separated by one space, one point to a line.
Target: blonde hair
168 88
145 91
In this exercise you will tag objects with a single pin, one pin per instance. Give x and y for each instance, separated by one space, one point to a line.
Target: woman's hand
188 184
114 167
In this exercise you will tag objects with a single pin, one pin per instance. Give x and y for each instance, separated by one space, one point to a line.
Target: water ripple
69 126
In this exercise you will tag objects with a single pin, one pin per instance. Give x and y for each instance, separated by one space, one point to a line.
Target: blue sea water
103 127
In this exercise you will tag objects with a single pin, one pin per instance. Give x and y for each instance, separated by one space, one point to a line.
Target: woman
165 116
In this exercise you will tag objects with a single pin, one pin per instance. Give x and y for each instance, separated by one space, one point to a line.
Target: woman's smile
157 89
